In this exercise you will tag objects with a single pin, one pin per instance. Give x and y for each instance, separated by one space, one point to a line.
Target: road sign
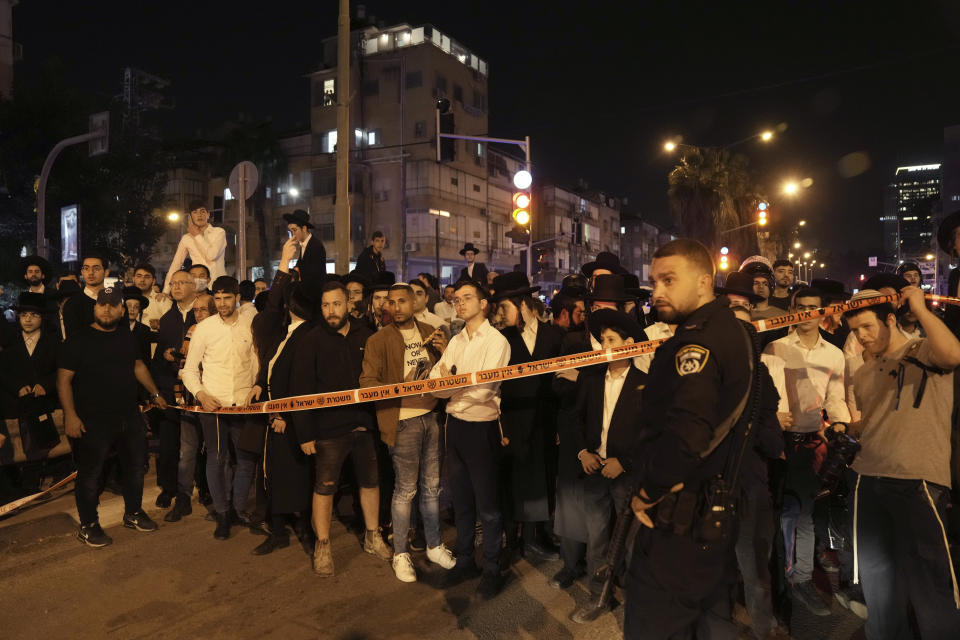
872 261
251 178
100 145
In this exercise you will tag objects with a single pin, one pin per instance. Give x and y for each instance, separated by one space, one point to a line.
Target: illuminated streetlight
796 245
789 255
790 188
807 255
766 136
929 256
803 222
173 216
669 146
294 192
822 265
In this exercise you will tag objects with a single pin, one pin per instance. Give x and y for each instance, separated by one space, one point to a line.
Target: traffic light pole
523 144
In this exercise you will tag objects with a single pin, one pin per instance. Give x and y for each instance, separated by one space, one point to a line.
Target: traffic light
519 234
723 259
762 214
446 147
522 201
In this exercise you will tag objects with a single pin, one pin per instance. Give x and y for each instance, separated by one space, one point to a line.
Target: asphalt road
178 582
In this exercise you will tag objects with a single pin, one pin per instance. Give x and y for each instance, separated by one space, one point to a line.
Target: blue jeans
416 464
220 475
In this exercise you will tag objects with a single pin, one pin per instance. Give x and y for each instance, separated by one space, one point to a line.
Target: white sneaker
441 556
403 568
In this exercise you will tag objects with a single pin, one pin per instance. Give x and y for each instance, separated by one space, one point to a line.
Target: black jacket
623 424
144 338
369 263
529 404
479 274
19 369
766 439
329 361
312 265
170 335
696 380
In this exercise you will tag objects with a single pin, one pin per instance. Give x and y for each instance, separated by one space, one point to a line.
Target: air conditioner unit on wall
411 247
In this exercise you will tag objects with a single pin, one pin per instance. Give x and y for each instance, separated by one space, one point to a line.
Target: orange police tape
10 506
511 372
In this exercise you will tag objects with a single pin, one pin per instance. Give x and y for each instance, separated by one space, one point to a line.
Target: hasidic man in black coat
312 263
608 403
476 271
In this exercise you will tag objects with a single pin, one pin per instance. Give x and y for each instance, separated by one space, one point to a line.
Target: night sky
597 85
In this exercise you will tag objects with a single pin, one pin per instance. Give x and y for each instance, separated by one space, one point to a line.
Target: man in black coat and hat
606 263
476 271
37 273
312 261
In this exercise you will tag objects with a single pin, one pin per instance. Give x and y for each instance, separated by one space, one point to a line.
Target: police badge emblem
691 359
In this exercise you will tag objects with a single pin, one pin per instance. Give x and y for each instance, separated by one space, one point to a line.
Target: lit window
330 141
359 136
372 138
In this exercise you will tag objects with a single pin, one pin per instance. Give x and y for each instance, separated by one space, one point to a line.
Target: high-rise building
10 51
911 201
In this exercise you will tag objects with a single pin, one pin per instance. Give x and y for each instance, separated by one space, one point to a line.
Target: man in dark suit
608 403
312 264
476 271
37 273
28 374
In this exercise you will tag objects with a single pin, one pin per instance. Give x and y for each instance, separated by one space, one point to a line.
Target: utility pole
341 216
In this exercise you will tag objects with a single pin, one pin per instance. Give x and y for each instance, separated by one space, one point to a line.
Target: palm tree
712 197
258 143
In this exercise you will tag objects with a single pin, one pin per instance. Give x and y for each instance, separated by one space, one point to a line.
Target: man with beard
696 395
222 347
330 359
97 422
36 275
783 283
78 310
144 277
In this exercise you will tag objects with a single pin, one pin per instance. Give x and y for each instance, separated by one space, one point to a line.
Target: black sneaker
417 541
461 573
139 521
180 508
564 578
92 535
490 585
222 532
164 500
204 498
809 597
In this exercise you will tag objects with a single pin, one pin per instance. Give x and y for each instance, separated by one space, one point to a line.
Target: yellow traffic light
521 207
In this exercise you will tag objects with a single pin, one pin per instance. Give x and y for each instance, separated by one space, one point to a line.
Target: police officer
696 392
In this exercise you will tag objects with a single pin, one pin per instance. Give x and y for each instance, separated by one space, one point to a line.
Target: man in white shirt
445 308
203 243
420 310
808 372
144 276
248 292
223 346
473 433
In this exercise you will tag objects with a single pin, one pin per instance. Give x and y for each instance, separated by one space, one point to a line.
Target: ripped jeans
416 464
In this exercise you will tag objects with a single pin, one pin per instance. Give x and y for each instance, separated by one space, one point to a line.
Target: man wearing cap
404 351
28 373
98 422
476 271
783 284
312 263
606 263
370 261
695 400
808 373
528 417
905 391
910 271
203 243
78 310
608 403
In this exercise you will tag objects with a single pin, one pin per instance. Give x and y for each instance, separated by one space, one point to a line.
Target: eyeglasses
459 301
180 283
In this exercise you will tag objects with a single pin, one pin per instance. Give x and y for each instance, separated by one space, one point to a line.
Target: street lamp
766 136
802 222
791 188
669 146
929 256
173 216
294 192
796 245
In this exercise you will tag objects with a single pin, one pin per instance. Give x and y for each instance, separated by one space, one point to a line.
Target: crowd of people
742 462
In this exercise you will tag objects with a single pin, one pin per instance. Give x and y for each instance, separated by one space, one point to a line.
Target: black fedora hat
510 284
831 289
609 287
133 293
468 246
356 276
885 279
67 289
574 280
383 281
945 232
32 302
39 261
739 283
607 318
909 266
631 283
604 260
298 217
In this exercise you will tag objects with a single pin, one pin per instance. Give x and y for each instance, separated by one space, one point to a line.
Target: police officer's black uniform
697 381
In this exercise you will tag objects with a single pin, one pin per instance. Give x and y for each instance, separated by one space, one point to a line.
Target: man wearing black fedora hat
608 402
37 273
528 416
605 263
312 259
136 302
379 292
476 271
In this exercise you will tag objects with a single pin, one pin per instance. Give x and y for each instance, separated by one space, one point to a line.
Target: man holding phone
203 243
403 351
